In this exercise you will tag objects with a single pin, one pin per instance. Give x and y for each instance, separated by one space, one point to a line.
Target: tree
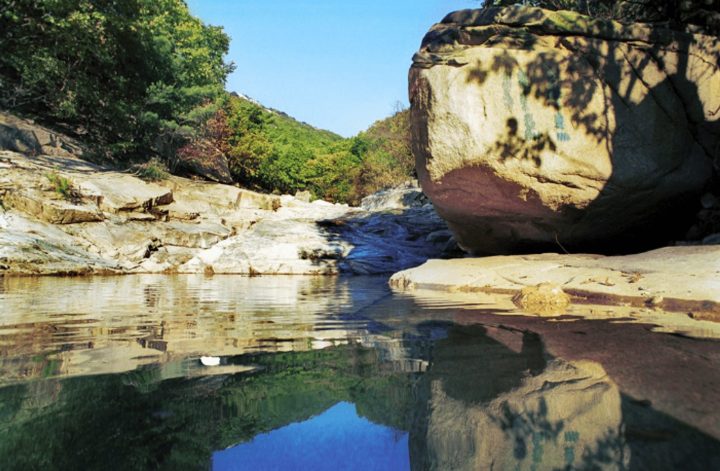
129 76
703 14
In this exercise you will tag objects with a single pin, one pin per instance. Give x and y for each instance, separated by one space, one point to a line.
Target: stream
260 373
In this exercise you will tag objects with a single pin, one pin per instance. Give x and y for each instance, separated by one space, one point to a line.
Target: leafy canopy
702 14
271 151
132 75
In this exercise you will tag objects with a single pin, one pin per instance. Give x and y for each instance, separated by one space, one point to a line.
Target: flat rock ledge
675 279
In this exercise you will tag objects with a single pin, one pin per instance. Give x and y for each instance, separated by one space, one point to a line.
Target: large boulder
536 129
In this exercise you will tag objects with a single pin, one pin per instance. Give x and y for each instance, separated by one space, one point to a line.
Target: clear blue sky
336 64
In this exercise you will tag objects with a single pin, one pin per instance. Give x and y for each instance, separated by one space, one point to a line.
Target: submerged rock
542 299
535 129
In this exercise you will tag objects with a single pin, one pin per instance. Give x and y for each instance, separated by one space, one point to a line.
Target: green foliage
142 78
130 76
271 151
62 186
386 156
704 14
152 170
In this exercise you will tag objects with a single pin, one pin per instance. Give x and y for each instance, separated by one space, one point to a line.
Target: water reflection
140 420
67 327
488 405
338 435
109 374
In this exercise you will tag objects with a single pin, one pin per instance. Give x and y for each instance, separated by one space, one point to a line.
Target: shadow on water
651 122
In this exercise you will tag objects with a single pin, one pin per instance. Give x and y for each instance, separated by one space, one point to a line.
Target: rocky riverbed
61 215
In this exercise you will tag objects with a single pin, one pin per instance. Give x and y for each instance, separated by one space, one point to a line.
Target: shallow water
225 372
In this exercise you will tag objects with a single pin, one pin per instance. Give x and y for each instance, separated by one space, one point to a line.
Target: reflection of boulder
501 416
532 127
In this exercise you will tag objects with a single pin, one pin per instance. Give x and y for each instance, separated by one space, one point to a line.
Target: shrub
152 170
63 187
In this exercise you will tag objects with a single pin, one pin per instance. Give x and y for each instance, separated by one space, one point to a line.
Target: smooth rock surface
534 129
403 196
30 247
120 192
54 211
672 278
277 247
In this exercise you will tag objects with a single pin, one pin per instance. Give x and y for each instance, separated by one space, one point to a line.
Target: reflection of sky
336 439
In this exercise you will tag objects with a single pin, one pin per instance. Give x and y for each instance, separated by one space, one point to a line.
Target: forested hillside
132 78
142 79
268 150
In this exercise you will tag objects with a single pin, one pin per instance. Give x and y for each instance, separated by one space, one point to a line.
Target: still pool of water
237 373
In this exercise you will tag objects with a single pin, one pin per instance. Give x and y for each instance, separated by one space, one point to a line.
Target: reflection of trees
137 421
486 389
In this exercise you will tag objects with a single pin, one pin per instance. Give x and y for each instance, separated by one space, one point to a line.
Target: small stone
545 299
439 237
304 196
655 301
